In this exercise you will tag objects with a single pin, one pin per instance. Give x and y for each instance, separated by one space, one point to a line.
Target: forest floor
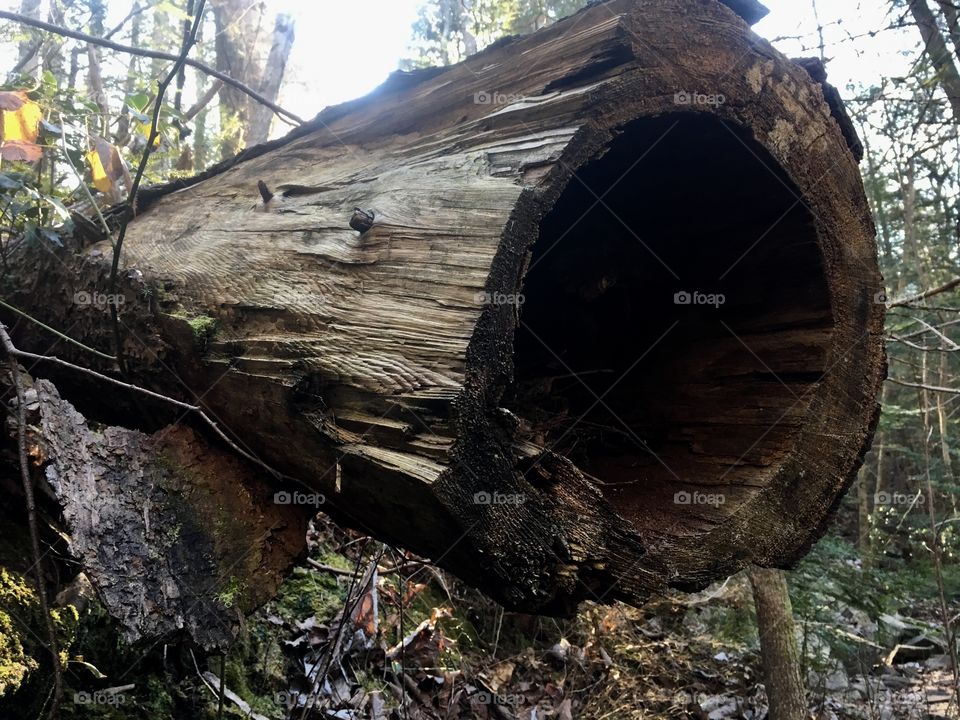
411 642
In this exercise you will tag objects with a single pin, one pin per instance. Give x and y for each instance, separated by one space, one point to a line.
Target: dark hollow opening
649 391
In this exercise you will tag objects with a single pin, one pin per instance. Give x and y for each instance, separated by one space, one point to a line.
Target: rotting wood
511 371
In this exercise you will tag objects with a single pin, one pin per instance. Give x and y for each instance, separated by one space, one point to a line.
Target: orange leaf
12 99
20 151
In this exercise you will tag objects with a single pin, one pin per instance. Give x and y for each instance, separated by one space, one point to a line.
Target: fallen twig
32 522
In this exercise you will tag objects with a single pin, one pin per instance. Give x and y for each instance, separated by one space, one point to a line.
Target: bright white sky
345 48
333 63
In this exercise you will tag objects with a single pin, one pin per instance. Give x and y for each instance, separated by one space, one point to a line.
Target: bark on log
513 371
174 533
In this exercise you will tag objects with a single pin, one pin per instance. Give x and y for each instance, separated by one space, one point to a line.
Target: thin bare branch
931 388
32 520
203 101
23 355
59 334
924 295
190 37
285 115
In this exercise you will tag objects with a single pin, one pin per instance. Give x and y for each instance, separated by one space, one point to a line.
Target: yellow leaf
100 180
146 129
19 126
22 124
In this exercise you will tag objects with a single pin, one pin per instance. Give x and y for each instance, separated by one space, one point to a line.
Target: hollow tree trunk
517 371
27 51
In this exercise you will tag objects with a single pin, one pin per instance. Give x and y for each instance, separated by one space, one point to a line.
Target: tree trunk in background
943 418
160 35
261 116
52 48
95 91
952 17
130 82
28 52
938 52
390 367
778 645
240 32
864 486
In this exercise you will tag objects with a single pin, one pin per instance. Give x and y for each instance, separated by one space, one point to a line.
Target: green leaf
50 80
9 183
138 101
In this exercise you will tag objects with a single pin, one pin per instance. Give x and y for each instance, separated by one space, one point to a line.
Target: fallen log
608 322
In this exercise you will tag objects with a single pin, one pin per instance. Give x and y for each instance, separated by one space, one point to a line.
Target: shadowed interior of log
675 318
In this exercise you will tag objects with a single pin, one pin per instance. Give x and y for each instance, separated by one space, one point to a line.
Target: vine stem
188 42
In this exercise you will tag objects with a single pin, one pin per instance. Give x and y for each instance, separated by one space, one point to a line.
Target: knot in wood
361 220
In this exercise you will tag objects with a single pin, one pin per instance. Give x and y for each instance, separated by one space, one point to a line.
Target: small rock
938 662
559 653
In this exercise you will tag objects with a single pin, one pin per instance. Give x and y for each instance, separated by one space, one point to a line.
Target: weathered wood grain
398 372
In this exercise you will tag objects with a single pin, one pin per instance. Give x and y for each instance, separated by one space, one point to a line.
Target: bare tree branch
134 11
285 115
931 388
924 295
13 352
32 520
56 332
190 37
203 101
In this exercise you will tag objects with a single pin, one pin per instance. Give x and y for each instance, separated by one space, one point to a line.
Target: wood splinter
361 220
